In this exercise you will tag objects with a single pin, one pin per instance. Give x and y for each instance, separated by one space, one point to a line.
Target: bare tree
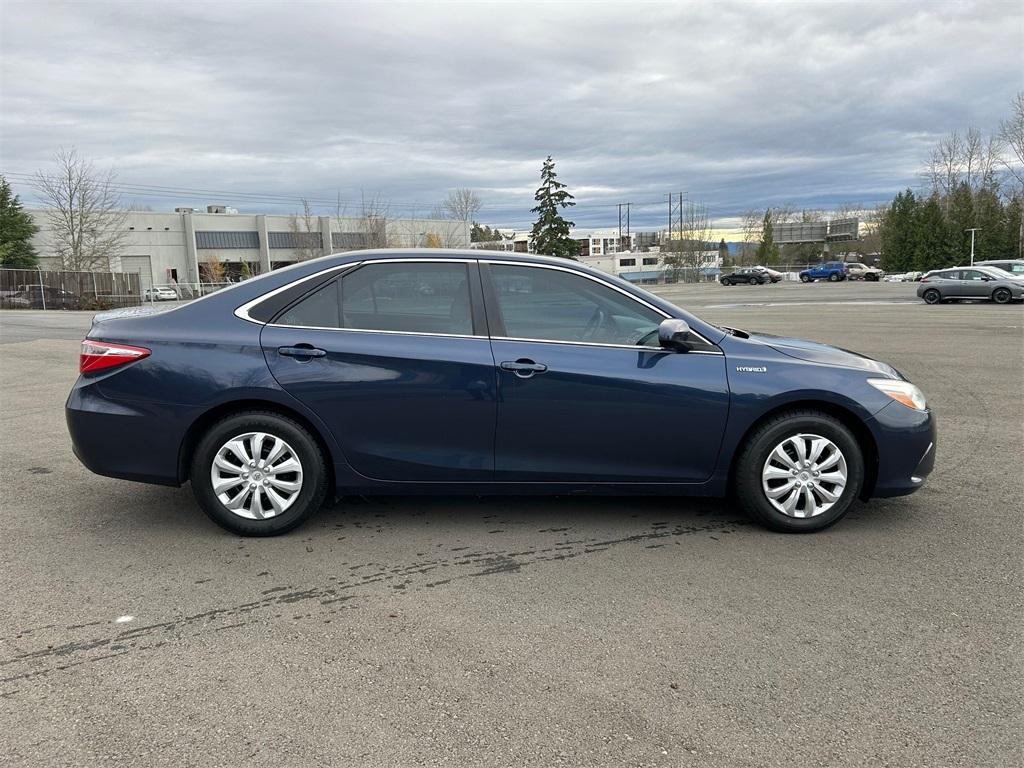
86 222
373 222
461 205
687 254
305 231
1011 137
212 270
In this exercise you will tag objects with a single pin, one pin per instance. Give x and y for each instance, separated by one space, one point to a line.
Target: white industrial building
167 248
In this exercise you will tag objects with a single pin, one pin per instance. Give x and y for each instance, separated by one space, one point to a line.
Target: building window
650 262
627 262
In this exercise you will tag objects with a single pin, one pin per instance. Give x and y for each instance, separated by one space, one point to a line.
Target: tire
726 282
752 465
931 296
1001 295
804 279
300 503
833 278
873 278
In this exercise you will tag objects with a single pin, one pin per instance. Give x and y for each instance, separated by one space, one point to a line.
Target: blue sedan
442 372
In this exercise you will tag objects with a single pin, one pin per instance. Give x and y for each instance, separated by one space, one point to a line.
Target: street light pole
972 231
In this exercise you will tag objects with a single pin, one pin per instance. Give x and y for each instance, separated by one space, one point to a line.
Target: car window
971 274
409 297
552 305
318 310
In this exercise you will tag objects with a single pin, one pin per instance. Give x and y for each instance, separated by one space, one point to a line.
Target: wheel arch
208 418
849 419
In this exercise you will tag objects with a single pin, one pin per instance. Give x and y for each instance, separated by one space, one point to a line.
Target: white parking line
865 303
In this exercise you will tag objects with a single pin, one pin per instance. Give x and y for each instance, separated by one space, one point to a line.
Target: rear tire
271 494
833 278
1001 296
931 296
759 472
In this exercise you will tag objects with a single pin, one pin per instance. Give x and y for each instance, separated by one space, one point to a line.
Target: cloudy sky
738 105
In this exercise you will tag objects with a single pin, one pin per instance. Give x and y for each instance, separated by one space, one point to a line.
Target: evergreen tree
550 232
899 233
991 242
931 239
767 250
960 218
16 230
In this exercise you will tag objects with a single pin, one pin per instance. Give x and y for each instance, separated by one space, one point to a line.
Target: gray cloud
740 105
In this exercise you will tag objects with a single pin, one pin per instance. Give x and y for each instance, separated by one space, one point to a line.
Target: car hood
824 354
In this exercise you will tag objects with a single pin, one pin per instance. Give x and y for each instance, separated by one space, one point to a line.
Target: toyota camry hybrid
443 372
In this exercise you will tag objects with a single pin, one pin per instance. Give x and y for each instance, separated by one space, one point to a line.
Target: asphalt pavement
526 631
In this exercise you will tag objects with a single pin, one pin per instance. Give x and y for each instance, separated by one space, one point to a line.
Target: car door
973 284
585 392
394 357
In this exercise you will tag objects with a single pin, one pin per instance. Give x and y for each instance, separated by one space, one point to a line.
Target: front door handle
301 352
523 368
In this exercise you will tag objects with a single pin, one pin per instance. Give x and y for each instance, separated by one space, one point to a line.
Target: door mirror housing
675 334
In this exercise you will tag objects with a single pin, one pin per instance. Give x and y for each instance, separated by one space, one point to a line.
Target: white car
161 293
857 271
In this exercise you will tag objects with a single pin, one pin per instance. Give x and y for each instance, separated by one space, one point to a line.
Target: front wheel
258 473
726 282
1001 295
931 296
805 279
799 472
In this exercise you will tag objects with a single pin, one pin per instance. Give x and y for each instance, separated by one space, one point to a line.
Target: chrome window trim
242 312
597 280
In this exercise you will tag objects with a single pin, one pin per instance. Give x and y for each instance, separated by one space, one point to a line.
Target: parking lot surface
524 631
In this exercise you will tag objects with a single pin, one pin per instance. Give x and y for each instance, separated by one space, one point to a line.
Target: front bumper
906 440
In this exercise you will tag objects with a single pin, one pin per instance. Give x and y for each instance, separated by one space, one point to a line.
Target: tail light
925 280
99 355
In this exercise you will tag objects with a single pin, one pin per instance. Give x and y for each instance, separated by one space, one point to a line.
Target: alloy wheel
256 475
804 475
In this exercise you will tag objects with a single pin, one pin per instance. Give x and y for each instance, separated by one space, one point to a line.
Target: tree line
971 181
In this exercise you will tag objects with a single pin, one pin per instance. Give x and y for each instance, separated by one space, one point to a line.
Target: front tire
1001 296
931 296
799 472
804 279
726 282
258 473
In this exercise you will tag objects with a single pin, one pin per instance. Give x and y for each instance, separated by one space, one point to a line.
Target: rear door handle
523 368
301 352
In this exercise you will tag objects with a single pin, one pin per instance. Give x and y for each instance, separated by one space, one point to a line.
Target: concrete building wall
180 243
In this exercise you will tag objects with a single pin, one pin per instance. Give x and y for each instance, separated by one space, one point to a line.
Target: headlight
902 392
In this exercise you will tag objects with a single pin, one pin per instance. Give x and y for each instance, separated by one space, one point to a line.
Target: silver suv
970 283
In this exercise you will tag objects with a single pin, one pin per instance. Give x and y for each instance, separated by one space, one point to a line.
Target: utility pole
972 230
628 239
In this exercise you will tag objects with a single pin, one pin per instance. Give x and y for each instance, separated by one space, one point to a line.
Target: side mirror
674 334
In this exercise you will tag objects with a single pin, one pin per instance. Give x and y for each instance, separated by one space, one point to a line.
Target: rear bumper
906 441
126 440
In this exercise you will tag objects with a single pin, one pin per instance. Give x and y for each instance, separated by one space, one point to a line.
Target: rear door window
408 297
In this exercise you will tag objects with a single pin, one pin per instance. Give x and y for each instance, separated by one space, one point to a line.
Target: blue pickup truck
833 271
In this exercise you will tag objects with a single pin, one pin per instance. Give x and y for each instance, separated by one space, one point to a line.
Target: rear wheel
1001 295
258 473
834 277
931 296
799 472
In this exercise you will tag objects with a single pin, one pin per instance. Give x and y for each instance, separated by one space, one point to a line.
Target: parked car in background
833 271
858 271
1013 266
33 296
975 282
751 276
513 374
160 293
903 277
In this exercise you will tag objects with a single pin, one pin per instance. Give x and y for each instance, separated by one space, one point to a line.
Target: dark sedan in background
417 372
984 283
751 276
